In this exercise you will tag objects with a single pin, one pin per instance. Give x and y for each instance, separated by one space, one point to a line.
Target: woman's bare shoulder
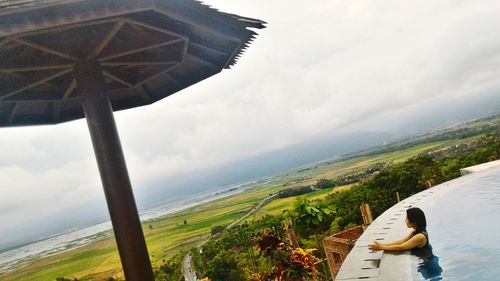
420 238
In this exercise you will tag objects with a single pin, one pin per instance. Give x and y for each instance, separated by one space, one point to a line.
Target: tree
217 229
225 267
324 183
287 264
311 217
268 242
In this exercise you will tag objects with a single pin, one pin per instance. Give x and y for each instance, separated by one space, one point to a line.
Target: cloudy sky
321 68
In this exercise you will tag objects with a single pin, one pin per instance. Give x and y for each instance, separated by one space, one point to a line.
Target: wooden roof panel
163 53
66 42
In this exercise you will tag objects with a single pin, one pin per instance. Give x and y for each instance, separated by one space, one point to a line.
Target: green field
165 237
278 206
169 235
335 169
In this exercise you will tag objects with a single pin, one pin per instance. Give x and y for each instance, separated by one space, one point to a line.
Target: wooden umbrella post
147 50
113 170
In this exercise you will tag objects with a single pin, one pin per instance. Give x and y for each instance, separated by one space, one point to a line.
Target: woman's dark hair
417 217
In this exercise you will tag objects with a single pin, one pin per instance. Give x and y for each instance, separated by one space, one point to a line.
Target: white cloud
327 66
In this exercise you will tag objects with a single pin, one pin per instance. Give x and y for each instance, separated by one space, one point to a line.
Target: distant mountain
271 163
279 161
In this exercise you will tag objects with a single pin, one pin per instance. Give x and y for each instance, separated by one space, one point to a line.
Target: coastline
17 257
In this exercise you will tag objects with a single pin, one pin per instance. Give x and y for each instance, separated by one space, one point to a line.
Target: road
253 210
189 271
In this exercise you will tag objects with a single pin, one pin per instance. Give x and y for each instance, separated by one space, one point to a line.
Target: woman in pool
416 239
418 242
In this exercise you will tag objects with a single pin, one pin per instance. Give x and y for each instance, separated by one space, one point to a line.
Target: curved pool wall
464 231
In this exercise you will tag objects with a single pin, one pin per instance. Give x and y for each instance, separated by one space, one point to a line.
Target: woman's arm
411 243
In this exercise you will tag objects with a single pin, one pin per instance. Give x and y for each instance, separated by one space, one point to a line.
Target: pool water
464 228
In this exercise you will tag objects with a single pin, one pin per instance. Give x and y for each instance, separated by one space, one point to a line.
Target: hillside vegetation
317 200
261 249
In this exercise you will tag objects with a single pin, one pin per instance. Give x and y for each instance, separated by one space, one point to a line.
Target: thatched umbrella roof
147 49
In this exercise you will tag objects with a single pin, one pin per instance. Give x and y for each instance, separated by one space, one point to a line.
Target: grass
279 206
169 235
339 168
165 237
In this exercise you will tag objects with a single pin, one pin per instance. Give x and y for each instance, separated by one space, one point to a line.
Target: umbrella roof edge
12 7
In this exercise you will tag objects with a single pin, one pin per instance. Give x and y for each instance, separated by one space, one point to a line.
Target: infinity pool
464 231
464 224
